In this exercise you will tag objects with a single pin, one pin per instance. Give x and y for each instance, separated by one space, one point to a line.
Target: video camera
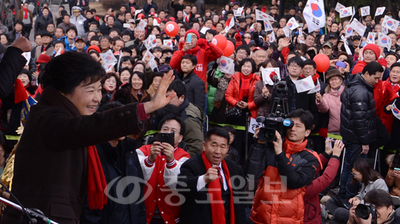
363 211
277 117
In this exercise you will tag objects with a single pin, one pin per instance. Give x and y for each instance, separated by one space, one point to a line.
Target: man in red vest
160 163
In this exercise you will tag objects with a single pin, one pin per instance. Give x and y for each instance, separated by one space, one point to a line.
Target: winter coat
384 94
204 52
41 24
286 203
193 117
12 35
10 67
372 185
261 101
115 212
331 103
232 94
194 89
79 23
312 208
357 114
58 183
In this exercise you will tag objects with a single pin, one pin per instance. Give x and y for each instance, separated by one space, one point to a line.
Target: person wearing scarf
63 170
284 169
240 91
206 179
26 17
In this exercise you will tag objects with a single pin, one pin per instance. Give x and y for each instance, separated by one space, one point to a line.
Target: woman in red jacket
240 91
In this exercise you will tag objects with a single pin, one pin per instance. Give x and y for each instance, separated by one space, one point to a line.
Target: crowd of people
138 116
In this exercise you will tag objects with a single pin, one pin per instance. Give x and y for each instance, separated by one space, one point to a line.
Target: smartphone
189 38
341 64
126 25
397 169
166 137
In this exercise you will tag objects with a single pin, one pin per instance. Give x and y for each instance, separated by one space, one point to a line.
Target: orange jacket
232 94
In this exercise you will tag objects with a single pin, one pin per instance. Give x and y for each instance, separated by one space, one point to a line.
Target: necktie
219 174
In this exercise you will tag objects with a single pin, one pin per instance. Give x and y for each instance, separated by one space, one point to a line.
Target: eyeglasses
308 69
354 175
247 38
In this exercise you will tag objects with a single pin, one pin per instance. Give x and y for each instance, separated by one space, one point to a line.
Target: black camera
267 133
363 211
277 117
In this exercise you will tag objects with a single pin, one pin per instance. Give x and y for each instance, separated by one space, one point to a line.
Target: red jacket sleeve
212 53
229 93
322 182
175 62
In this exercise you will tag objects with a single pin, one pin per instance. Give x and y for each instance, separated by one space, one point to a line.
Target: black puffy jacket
358 117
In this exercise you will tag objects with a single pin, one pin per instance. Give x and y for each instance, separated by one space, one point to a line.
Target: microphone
260 119
275 78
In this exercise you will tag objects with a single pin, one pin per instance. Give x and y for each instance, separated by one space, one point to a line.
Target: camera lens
362 211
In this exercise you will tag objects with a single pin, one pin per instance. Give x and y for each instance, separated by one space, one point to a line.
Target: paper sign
292 24
390 23
365 11
304 85
379 11
109 60
339 7
346 12
266 72
168 43
204 30
253 125
226 65
27 56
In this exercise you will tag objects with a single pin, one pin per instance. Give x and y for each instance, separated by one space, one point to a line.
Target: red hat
172 18
383 62
192 31
374 48
43 58
93 47
140 16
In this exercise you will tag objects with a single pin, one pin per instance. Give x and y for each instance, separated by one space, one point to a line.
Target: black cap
242 20
45 33
355 37
333 35
80 38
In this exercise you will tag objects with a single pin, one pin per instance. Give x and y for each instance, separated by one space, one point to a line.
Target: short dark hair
243 47
305 117
310 62
109 75
372 68
191 57
378 198
296 60
59 42
253 64
230 129
66 15
169 117
141 76
397 64
178 87
77 68
218 132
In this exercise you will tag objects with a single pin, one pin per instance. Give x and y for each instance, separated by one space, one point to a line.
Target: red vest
160 194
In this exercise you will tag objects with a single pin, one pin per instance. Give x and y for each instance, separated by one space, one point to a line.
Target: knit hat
93 47
374 48
383 62
333 72
43 58
192 31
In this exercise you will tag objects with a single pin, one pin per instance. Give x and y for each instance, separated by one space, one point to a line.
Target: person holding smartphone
160 164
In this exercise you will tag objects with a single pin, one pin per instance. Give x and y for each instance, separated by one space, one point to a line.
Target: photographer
288 166
160 164
382 209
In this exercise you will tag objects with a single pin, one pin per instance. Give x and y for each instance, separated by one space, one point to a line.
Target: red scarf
244 88
314 78
214 189
96 182
292 148
26 13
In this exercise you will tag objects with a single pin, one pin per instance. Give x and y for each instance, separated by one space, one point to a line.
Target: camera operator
381 203
288 166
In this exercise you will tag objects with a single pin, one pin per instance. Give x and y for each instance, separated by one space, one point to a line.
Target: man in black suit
211 186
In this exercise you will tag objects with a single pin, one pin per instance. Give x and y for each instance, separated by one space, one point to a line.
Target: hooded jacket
205 52
358 117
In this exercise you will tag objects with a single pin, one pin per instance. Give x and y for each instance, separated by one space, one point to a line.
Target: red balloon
220 41
229 49
171 29
322 62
